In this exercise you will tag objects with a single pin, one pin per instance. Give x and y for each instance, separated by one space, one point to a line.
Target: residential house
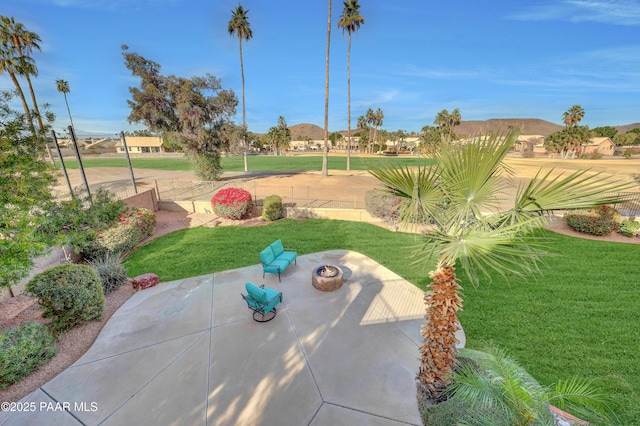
603 146
141 145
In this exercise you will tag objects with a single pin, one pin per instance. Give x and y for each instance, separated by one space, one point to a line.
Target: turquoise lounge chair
262 301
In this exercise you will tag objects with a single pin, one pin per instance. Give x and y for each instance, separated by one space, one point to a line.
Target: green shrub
72 294
601 220
383 206
111 271
207 165
272 208
232 203
22 350
629 228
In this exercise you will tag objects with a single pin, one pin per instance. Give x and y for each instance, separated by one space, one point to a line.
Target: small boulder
144 281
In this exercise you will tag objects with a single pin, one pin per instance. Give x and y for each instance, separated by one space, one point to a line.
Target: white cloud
615 12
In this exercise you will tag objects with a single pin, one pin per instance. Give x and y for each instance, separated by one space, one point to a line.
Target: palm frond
576 191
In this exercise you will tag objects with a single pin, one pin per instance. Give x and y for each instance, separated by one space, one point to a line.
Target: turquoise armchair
262 301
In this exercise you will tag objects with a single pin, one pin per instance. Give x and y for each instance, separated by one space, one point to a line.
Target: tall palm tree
325 154
239 26
573 116
15 34
350 21
11 63
460 194
63 87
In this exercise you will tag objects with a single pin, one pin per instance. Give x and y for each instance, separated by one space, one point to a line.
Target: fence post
157 190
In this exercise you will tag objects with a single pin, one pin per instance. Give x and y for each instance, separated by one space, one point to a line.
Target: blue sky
489 58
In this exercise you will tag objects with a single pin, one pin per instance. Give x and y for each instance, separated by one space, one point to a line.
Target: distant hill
626 127
527 126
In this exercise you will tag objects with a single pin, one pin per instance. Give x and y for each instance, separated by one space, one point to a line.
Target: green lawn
579 317
257 163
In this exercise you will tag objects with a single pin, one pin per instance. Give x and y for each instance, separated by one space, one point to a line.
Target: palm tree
11 63
499 391
573 116
15 34
325 154
460 194
376 120
63 87
239 25
350 21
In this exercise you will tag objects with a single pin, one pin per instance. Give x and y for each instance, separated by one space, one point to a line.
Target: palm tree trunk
325 155
244 114
438 351
39 118
349 103
373 140
27 112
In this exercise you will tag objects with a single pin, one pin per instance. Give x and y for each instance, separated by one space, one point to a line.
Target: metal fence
292 196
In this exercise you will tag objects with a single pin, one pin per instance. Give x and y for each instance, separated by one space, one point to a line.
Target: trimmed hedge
232 203
629 228
601 220
70 293
22 350
272 208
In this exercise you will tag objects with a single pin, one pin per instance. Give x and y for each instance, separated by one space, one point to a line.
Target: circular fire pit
327 278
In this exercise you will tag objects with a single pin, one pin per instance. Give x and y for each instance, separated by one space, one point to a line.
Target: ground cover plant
578 319
23 349
601 220
257 163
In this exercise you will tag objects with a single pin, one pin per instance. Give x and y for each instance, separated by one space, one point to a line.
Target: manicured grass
579 317
257 163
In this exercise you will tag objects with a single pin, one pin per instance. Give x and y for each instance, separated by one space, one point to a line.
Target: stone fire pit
327 277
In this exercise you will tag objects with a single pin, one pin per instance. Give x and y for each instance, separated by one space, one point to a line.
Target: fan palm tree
460 195
375 119
63 87
239 26
573 116
325 154
15 34
11 63
350 22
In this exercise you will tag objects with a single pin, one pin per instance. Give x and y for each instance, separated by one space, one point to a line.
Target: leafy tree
190 112
430 140
573 116
335 137
604 132
25 181
325 154
239 26
350 22
460 194
624 139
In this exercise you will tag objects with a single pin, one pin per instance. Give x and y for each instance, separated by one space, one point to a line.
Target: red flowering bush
232 203
144 220
383 206
601 220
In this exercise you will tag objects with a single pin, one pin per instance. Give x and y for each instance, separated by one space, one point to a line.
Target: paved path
188 353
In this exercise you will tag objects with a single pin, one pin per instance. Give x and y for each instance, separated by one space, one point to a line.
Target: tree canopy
191 112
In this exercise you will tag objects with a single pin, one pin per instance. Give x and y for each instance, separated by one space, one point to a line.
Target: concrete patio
188 352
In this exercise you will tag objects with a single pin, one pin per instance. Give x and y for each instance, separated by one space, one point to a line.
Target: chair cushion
266 255
256 292
289 256
277 248
275 264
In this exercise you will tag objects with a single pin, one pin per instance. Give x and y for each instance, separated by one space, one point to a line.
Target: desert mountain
527 126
